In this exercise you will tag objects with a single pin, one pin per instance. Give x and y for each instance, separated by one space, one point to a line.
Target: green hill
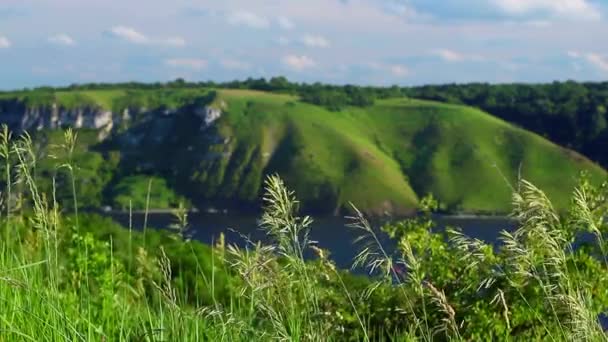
383 157
388 155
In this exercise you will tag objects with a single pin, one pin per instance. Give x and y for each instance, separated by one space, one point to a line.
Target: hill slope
382 157
387 155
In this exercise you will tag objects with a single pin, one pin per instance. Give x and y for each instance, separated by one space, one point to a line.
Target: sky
368 42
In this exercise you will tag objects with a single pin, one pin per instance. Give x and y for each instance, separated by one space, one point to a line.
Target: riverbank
224 211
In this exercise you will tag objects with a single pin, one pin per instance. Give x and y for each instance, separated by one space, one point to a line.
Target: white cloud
174 41
129 34
299 63
187 63
315 41
245 18
399 70
535 11
594 59
574 9
598 60
402 9
454 56
449 55
62 39
4 42
285 23
233 64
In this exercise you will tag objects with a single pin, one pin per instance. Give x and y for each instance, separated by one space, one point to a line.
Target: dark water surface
331 233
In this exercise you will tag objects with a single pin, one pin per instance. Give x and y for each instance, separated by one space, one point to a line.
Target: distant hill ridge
215 146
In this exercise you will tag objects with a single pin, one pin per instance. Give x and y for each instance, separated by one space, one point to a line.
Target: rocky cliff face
208 115
19 117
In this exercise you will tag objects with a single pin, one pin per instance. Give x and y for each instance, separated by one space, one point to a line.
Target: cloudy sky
408 42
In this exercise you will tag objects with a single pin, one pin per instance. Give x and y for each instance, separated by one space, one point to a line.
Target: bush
144 192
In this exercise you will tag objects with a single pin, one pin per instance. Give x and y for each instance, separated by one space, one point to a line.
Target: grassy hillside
388 155
382 157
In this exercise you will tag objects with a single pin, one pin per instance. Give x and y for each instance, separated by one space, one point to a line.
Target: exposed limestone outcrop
208 115
20 117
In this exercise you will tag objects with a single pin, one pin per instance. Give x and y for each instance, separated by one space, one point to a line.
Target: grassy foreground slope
388 155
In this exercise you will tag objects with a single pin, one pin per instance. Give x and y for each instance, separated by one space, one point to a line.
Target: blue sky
378 42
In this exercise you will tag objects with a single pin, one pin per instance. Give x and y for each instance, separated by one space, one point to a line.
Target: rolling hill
215 148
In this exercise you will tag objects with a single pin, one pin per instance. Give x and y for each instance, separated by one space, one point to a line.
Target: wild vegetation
69 276
331 144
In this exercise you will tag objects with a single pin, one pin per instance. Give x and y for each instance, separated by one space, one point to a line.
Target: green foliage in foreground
82 278
57 159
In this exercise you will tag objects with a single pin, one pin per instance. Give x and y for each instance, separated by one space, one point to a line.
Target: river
330 233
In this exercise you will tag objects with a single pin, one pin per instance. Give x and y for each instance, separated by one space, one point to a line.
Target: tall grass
73 277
